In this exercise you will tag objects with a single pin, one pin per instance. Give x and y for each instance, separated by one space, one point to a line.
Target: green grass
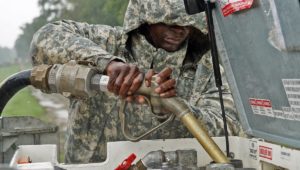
22 103
6 71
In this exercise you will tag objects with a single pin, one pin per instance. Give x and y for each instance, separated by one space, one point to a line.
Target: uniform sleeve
66 40
206 103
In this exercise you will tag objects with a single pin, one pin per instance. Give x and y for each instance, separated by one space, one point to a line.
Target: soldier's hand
124 78
136 98
166 84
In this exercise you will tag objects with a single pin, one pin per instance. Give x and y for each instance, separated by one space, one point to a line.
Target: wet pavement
56 107
56 112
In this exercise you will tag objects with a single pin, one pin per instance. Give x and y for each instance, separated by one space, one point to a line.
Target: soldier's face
168 37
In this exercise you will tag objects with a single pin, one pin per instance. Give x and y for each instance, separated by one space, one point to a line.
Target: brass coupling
67 79
39 77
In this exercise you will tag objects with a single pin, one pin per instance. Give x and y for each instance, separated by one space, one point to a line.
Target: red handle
127 162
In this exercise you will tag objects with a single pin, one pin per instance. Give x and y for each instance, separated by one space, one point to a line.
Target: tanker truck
258 42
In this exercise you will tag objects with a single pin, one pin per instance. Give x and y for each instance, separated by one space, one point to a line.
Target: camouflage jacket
95 121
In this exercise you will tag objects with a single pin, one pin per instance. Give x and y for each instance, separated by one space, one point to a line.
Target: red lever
127 162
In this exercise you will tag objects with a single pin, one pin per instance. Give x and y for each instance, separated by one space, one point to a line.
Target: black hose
12 85
217 73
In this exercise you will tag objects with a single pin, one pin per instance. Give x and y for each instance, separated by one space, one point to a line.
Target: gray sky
13 15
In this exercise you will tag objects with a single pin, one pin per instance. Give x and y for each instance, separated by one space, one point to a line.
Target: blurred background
19 21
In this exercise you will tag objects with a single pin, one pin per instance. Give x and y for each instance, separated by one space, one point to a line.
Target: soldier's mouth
173 41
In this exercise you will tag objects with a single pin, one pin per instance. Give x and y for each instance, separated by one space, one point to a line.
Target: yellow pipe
203 138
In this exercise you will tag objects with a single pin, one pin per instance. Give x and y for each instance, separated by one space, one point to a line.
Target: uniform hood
171 12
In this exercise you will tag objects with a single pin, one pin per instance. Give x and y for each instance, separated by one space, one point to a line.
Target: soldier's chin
171 48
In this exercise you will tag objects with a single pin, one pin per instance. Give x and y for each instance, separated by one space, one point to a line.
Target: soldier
158 36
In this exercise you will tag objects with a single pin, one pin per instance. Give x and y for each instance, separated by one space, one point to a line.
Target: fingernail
129 93
158 79
147 83
157 90
141 100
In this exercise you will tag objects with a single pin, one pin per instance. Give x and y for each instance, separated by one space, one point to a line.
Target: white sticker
296 113
288 113
261 107
278 114
253 149
292 90
285 154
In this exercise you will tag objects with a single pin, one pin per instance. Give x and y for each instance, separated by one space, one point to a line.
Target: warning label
292 90
253 149
261 107
265 152
230 6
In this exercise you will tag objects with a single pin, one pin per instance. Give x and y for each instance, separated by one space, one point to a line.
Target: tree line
110 12
7 56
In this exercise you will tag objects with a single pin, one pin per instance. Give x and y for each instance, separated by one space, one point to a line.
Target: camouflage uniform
94 121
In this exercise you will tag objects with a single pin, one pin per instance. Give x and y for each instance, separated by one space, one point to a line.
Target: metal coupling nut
39 78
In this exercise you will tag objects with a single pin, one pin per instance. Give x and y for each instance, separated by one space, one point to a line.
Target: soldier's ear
143 29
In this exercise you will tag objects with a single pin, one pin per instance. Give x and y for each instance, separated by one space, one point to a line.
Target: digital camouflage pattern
95 121
171 12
